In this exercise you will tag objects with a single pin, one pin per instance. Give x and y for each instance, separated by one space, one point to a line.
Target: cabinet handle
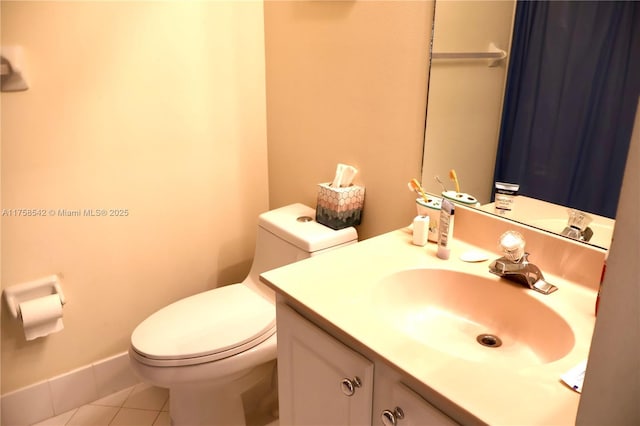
349 386
390 418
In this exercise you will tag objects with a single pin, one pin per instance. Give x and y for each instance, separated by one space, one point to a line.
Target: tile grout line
93 404
156 418
138 409
124 401
115 407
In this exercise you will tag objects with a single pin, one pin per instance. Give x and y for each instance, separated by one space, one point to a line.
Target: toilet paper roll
41 316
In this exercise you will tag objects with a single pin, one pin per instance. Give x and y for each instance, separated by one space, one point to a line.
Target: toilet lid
205 327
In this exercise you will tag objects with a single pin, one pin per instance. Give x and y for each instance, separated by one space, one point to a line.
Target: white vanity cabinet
397 404
322 381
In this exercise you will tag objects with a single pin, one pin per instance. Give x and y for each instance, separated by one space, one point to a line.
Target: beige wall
465 96
346 82
611 385
159 108
154 107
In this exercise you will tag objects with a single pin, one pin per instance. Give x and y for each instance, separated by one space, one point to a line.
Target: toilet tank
290 233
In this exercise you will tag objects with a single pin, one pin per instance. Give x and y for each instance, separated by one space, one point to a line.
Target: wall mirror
465 103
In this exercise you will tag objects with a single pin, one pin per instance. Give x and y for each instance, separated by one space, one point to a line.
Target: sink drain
489 340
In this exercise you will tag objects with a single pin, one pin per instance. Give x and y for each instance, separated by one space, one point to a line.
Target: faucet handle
512 244
578 220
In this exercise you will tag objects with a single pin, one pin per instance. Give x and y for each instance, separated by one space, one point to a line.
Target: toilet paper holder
42 287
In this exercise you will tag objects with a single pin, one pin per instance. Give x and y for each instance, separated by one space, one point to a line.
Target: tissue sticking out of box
340 202
344 176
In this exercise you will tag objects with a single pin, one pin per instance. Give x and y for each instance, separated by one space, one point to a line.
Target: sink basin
472 317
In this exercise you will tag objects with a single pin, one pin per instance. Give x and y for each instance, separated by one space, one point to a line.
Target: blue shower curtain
571 96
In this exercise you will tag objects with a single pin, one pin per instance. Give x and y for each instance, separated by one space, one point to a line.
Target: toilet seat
205 327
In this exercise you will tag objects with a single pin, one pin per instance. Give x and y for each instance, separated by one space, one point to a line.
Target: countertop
337 286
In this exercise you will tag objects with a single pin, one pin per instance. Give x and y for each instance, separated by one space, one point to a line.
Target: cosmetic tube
505 197
445 231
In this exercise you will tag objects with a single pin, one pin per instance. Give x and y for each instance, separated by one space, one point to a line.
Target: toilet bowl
213 348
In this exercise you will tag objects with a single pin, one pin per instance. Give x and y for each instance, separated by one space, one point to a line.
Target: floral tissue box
339 207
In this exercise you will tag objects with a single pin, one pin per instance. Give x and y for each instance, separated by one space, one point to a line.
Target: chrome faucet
522 271
515 265
577 233
578 226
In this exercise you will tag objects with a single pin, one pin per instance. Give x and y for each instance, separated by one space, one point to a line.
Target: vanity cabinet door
404 407
320 380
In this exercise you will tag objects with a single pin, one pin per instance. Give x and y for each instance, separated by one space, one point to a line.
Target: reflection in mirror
572 91
464 116
556 218
465 96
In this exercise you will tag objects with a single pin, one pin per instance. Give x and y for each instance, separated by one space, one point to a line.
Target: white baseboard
71 390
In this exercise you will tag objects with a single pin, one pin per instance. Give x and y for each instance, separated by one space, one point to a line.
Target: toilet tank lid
309 235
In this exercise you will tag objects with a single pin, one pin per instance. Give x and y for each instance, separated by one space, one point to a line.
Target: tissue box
339 207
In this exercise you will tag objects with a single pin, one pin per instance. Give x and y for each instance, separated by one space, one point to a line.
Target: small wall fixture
11 70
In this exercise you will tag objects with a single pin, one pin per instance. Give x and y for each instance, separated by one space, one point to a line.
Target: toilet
213 349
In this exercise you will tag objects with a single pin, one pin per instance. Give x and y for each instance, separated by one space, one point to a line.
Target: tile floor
140 405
